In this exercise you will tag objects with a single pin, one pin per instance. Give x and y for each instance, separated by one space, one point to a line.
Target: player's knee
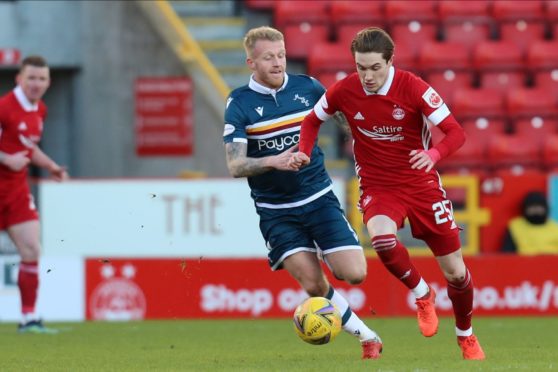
316 288
455 275
356 277
353 276
29 250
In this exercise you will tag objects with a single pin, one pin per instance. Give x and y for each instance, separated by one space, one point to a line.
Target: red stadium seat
447 67
518 10
405 59
413 35
291 12
531 102
474 9
478 103
497 55
483 129
472 155
260 4
550 152
437 56
547 80
302 28
466 32
551 11
329 78
503 81
346 32
330 58
299 36
406 11
348 17
536 128
465 22
448 81
543 55
507 151
522 33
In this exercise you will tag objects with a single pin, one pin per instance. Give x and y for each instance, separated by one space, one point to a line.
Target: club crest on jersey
22 126
398 113
304 101
259 110
432 98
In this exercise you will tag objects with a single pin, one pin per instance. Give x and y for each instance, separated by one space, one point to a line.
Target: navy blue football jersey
268 120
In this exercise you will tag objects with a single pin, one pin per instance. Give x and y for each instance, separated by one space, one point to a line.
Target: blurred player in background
22 113
300 217
387 110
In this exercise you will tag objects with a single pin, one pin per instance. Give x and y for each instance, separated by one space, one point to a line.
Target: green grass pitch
526 344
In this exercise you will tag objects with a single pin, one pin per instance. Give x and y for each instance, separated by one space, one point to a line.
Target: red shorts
17 206
430 215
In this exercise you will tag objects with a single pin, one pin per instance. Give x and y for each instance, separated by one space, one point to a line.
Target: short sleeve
430 102
235 122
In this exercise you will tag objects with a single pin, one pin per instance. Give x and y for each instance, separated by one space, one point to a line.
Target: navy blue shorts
318 225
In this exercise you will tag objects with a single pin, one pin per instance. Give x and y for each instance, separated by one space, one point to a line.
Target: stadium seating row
493 64
412 23
504 151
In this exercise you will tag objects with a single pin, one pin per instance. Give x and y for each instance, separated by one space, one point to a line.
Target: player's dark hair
373 40
35 61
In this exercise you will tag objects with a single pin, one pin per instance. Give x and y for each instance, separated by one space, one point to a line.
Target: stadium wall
168 248
97 50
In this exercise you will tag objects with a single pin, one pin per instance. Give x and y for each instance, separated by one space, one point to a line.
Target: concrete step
218 28
227 57
221 44
207 8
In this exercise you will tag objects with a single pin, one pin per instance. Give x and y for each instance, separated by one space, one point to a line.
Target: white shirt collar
383 91
254 85
23 101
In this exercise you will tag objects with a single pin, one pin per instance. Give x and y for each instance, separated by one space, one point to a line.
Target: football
317 321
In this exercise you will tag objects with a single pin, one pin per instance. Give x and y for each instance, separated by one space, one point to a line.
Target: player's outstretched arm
241 165
40 159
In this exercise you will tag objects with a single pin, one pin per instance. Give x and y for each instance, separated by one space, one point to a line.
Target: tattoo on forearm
240 165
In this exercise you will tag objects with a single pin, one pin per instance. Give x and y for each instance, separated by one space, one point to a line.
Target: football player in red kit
388 112
21 124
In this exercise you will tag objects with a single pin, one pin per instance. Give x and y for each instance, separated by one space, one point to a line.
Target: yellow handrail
175 33
190 49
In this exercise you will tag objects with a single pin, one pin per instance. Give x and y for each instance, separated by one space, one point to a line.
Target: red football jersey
21 127
386 126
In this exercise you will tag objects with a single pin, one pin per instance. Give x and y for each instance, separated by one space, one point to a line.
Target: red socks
396 259
28 282
461 296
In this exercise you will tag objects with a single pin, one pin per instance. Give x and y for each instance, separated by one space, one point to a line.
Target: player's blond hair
260 33
373 40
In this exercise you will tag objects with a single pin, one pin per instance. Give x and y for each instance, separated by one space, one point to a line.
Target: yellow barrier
472 216
175 33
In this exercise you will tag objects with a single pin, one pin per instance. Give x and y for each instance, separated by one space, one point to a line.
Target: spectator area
495 63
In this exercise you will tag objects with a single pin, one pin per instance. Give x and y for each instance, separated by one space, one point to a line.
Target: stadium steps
219 33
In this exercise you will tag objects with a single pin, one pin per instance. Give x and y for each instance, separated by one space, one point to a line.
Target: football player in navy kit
300 217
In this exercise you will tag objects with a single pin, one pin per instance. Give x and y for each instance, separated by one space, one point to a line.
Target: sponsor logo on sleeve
229 129
432 98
